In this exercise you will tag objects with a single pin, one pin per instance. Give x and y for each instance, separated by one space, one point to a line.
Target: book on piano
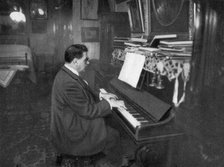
133 44
149 49
156 39
176 43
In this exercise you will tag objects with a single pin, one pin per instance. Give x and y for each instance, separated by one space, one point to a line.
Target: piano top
153 106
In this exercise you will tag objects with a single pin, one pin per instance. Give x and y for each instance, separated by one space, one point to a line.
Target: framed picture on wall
170 16
136 16
89 9
38 9
39 26
90 34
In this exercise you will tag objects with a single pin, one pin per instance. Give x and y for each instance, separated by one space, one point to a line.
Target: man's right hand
117 103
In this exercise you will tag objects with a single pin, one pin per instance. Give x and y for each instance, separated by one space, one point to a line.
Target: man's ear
75 61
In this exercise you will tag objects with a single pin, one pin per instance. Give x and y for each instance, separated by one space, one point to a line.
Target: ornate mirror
167 11
169 16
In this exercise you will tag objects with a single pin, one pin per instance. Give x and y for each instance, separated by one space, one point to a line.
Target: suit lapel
74 76
78 78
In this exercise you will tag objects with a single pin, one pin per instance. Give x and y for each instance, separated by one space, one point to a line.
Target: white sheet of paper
132 68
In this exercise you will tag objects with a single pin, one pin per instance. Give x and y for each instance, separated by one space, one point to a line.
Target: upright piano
147 118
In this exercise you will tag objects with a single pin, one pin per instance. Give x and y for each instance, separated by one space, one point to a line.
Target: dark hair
74 51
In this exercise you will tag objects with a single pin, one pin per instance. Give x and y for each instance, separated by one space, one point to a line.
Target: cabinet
112 24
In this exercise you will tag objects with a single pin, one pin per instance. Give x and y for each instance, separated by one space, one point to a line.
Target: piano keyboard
131 115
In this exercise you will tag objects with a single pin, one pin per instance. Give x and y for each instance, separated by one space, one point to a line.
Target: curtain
203 65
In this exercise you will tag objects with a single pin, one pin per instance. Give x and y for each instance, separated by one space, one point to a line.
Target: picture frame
136 16
39 26
88 9
38 9
90 34
170 20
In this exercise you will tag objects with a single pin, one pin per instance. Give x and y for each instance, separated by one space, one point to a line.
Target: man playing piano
77 113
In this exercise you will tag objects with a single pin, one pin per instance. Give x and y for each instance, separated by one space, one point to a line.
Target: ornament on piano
150 65
153 81
159 84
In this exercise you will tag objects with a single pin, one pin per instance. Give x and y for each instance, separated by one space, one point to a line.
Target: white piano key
134 122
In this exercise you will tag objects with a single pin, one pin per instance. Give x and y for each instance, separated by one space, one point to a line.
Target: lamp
12 9
17 16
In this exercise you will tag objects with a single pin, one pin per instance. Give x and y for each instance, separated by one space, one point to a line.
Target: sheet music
6 76
131 69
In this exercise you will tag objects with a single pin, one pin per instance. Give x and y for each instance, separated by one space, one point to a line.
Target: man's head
76 57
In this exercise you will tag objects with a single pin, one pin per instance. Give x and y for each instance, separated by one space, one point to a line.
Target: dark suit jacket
77 123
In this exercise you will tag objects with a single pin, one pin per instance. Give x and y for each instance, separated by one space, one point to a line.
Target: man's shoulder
64 77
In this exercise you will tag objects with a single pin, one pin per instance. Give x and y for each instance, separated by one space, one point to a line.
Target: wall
62 29
49 37
93 47
42 39
49 50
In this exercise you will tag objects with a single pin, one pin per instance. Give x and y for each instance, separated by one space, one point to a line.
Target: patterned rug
24 128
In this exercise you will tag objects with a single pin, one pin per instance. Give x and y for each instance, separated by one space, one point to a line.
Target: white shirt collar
71 69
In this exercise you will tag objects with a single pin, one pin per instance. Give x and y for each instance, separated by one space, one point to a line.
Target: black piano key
134 113
145 123
138 116
141 119
131 109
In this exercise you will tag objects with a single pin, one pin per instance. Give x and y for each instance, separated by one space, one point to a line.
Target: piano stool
66 160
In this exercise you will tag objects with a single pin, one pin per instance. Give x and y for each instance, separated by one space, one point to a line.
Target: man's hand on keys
108 96
118 104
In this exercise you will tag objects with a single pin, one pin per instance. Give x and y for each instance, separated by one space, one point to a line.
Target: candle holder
159 84
153 81
160 67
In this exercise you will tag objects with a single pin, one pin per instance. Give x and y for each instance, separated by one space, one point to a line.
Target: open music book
132 68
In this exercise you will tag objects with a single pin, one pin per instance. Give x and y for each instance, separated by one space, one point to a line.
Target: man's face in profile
83 62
